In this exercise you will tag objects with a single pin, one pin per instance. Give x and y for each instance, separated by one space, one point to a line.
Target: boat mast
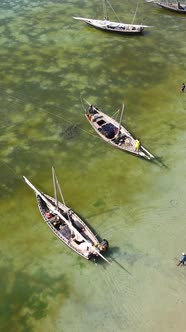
106 1
60 191
135 12
54 183
121 116
59 188
105 13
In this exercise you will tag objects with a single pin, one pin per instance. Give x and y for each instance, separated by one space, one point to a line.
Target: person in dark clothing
182 87
183 259
179 6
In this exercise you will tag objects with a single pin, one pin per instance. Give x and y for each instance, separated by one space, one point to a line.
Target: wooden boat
110 26
114 133
67 225
173 6
122 28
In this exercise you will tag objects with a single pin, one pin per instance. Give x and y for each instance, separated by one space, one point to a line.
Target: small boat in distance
173 6
110 26
114 133
67 225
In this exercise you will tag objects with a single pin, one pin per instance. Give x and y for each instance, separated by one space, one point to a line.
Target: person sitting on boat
117 135
137 145
57 221
95 117
91 109
122 139
179 6
104 245
48 214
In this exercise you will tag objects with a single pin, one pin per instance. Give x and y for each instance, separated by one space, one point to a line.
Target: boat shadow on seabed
159 162
108 254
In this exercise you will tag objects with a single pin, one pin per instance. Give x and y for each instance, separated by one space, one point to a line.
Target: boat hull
172 7
109 26
118 31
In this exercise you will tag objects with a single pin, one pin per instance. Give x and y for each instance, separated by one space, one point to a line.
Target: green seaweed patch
99 203
70 132
26 298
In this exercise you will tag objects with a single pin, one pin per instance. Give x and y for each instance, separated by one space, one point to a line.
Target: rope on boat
113 10
135 12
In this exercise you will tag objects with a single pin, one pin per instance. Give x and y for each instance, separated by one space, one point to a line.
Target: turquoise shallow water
48 63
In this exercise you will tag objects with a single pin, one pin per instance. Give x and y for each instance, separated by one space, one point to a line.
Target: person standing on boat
137 145
183 259
183 87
